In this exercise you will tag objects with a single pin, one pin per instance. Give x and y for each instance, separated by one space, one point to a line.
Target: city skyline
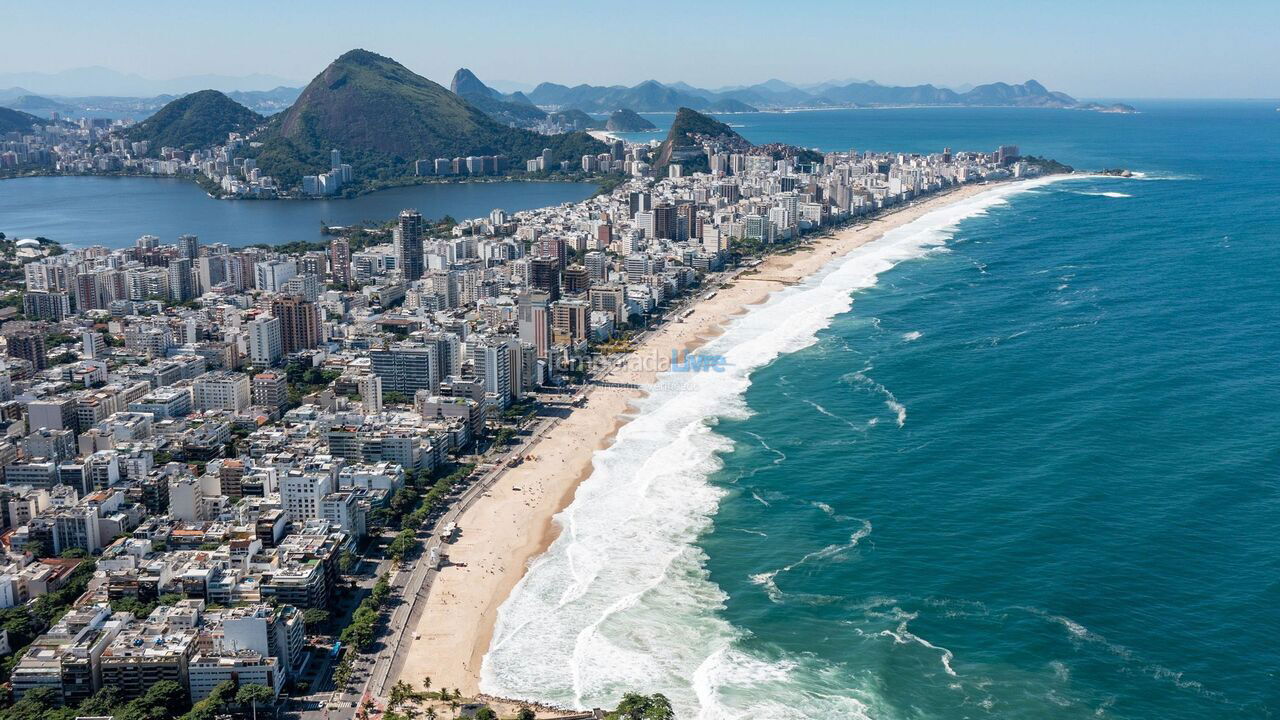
1088 50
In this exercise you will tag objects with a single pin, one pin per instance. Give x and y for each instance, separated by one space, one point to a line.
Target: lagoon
115 211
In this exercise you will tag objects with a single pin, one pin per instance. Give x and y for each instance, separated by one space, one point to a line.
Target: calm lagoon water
115 211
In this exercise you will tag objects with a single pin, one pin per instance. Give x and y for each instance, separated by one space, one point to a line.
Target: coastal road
412 584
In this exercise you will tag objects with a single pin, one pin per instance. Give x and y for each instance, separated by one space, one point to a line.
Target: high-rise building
597 266
188 247
266 341
569 320
271 275
639 202
406 369
492 361
54 306
211 270
28 345
664 222
577 279
299 323
553 246
370 387
544 275
534 313
409 251
687 217
340 261
221 390
270 389
182 281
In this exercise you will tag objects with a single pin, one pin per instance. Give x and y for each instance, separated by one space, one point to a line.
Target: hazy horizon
1088 50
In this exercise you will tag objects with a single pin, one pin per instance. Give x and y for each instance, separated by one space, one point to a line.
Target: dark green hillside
383 117
199 120
17 121
626 120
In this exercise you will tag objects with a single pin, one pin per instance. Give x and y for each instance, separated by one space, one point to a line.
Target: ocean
1017 459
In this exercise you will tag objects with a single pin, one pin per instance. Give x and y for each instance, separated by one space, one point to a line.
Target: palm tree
431 714
426 683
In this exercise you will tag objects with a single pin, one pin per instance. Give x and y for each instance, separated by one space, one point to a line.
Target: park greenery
25 624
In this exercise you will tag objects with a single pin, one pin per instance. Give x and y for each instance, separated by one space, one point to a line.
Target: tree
486 713
254 694
526 714
426 683
313 618
401 693
101 703
635 706
346 561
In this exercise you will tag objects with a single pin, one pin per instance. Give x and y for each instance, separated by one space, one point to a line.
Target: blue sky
1087 48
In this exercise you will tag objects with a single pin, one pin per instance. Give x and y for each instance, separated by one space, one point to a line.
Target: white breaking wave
1110 194
621 600
769 579
911 336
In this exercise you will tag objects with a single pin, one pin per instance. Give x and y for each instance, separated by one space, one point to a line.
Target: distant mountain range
99 92
263 102
653 96
101 81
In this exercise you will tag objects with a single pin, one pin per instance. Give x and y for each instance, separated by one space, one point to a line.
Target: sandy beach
507 528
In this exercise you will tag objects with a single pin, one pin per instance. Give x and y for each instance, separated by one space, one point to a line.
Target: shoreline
513 524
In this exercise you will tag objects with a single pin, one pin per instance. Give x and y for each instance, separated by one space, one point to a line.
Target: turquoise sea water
1019 460
115 211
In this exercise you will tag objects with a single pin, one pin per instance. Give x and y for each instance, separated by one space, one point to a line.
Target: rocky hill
383 117
199 120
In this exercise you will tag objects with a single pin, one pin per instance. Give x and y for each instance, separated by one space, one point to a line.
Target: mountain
772 92
466 84
199 120
101 81
729 105
513 110
626 120
17 121
13 92
648 96
1028 94
266 102
38 105
652 96
383 117
684 143
875 94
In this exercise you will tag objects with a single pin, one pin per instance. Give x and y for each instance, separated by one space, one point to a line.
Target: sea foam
621 600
